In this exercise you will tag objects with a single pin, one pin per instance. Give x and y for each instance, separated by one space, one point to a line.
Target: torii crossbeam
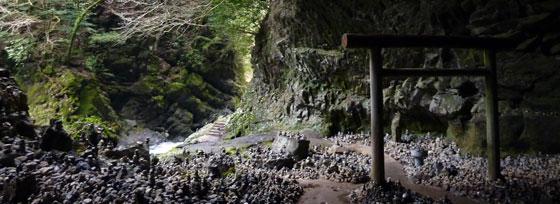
375 44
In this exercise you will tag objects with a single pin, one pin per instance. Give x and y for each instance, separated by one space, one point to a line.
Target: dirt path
215 146
394 170
325 191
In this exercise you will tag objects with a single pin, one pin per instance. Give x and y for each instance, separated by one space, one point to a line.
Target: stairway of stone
213 132
218 129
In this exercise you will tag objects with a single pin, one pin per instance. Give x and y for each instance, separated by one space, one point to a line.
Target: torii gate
375 44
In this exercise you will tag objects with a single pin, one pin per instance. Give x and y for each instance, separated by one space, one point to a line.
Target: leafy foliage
239 21
45 33
19 50
46 23
79 127
107 38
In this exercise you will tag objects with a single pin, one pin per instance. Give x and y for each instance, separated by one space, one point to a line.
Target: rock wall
305 79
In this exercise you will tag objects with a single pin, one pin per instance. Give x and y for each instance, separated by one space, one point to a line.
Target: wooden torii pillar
375 44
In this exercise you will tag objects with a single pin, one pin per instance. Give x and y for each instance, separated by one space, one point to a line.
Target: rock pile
389 193
50 177
14 118
56 138
340 138
527 178
294 145
349 167
46 170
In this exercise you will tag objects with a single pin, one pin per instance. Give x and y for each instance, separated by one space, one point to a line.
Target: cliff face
305 79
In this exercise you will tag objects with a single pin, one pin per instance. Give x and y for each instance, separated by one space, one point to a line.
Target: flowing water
163 147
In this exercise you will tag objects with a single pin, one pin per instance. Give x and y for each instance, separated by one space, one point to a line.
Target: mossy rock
74 98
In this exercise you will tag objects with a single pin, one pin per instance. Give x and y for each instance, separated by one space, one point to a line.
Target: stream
163 147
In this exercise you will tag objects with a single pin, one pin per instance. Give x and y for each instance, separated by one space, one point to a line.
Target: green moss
468 138
109 38
240 124
268 143
175 86
242 149
93 101
54 97
194 79
78 127
150 85
75 100
230 150
87 95
159 100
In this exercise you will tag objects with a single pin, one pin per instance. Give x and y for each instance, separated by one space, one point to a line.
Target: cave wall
305 79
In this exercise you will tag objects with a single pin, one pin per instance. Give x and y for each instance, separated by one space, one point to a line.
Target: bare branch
153 18
14 21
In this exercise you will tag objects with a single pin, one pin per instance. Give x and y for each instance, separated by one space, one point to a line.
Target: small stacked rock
527 178
58 177
391 192
350 167
14 116
341 138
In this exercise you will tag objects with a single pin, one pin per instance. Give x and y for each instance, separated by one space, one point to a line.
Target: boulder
396 128
7 160
278 163
56 138
26 128
446 104
298 148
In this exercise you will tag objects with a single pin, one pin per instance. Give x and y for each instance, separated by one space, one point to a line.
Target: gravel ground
527 178
57 177
392 192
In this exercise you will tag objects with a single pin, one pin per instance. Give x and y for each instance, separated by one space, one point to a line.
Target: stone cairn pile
47 169
14 118
527 178
320 164
341 138
392 192
39 176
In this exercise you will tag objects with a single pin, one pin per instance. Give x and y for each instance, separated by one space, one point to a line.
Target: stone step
215 133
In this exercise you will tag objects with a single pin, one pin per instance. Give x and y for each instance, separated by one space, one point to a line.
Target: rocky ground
321 163
350 168
58 177
526 178
393 192
51 168
253 175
